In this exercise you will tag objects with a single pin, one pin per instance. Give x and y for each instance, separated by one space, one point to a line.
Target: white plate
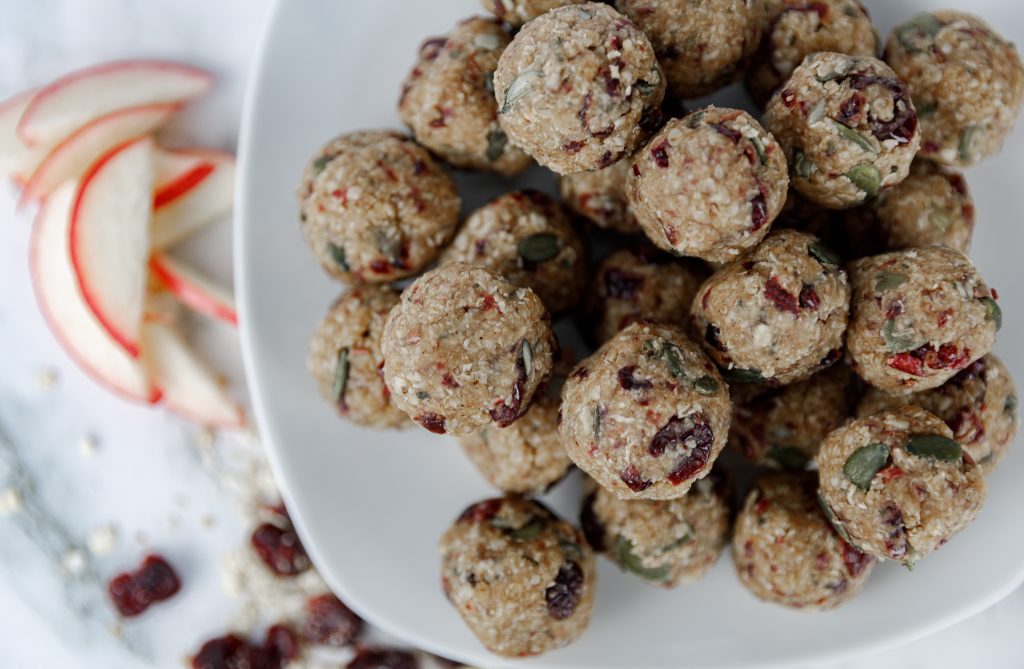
370 506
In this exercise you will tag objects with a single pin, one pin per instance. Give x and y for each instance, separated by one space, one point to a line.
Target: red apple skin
191 294
182 184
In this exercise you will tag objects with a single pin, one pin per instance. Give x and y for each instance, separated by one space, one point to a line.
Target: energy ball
785 550
848 127
967 83
918 317
448 99
640 284
897 484
784 427
600 197
777 314
796 28
665 542
527 238
517 12
647 414
702 46
575 85
709 184
465 349
375 207
979 405
522 580
345 357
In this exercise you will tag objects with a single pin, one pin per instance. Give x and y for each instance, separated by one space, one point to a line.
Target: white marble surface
150 477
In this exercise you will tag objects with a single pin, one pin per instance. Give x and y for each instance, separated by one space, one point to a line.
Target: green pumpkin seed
629 560
993 312
865 177
1010 406
539 247
681 541
789 457
831 76
934 446
496 141
706 385
759 148
487 42
422 395
673 360
337 254
570 549
909 32
341 369
803 167
966 137
864 463
837 525
695 119
644 87
528 532
597 422
320 163
518 88
897 342
527 353
739 375
823 254
852 135
886 280
940 219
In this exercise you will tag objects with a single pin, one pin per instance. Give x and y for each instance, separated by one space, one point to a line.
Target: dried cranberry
330 622
505 414
779 296
448 381
383 658
851 109
896 541
925 357
660 153
674 436
573 147
831 358
809 298
621 284
564 595
732 134
628 381
280 646
431 49
481 512
652 119
585 109
711 336
134 592
607 159
581 373
758 212
632 478
856 561
432 422
280 549
233 652
593 528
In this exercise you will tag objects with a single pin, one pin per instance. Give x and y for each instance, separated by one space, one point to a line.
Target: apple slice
16 158
66 312
109 238
190 388
178 172
67 104
208 198
74 155
194 289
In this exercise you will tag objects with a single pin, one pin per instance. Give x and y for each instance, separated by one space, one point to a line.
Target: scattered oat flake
73 561
102 539
88 445
10 501
47 379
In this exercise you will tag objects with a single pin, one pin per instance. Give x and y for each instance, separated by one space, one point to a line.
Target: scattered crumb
102 539
88 445
205 438
116 631
10 501
207 521
73 561
47 379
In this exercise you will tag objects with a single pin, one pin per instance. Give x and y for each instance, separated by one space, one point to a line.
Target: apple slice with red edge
73 156
17 159
190 388
109 238
65 105
194 289
177 172
190 209
65 310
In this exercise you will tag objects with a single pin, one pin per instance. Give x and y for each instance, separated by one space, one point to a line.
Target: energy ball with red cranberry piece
665 542
345 357
526 237
641 284
979 405
448 99
783 427
522 579
897 484
786 552
600 198
375 207
967 83
709 184
575 85
465 350
777 314
848 127
796 28
647 414
517 12
918 317
702 46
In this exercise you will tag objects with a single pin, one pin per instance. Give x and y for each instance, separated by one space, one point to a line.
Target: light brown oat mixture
518 12
600 197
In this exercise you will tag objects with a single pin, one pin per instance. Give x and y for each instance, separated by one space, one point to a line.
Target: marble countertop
89 483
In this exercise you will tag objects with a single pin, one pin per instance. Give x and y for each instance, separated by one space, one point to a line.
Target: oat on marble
518 12
600 197
897 484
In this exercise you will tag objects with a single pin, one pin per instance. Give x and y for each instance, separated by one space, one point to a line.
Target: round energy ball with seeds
600 197
345 358
777 314
522 580
526 237
647 414
375 207
785 550
848 128
517 12
465 349
448 99
574 86
783 427
709 184
702 46
796 28
918 317
640 283
897 483
967 83
979 405
665 542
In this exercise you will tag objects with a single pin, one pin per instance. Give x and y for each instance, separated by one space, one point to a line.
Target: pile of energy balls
801 277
